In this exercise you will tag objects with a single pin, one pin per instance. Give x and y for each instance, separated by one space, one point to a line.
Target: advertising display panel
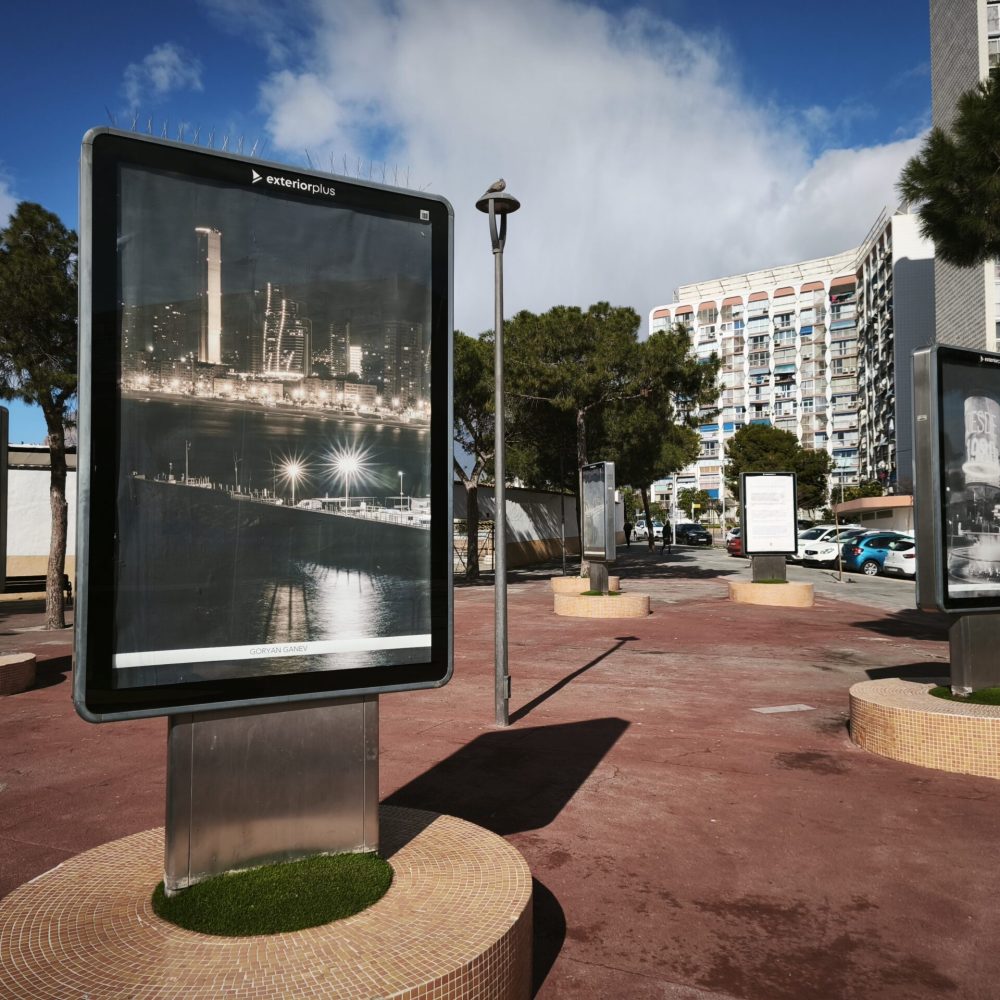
957 478
265 433
769 513
597 490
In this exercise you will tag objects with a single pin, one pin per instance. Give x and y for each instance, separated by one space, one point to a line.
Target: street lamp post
292 470
497 202
400 489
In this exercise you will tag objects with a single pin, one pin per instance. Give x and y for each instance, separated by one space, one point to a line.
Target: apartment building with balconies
895 302
822 349
787 340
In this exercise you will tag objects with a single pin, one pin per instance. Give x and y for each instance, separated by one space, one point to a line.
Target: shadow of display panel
957 405
265 433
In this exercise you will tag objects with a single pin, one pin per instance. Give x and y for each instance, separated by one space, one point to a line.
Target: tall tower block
210 294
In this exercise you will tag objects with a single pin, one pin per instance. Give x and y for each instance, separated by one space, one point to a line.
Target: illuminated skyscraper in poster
210 295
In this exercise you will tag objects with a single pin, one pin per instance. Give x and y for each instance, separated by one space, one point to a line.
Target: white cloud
167 68
638 161
7 202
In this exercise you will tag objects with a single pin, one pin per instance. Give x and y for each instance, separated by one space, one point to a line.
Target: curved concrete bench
598 606
899 719
17 673
775 595
456 923
578 584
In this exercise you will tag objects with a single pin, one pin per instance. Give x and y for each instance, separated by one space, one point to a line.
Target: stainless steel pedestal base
598 576
253 786
767 568
975 652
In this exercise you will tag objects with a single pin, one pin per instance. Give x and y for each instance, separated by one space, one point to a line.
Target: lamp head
503 203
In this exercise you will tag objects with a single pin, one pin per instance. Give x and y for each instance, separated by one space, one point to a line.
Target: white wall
29 519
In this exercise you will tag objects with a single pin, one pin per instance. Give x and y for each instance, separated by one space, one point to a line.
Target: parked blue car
866 553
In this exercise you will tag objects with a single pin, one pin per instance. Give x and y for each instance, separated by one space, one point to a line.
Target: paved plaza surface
685 845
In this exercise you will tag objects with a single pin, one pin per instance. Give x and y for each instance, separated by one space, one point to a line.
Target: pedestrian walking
667 539
627 528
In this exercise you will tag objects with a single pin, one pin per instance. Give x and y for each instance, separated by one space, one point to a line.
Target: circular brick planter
578 584
899 719
776 595
17 673
455 923
624 606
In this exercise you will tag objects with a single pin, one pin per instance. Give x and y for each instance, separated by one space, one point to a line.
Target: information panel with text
769 513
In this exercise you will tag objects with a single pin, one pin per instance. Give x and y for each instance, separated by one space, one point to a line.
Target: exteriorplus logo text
294 183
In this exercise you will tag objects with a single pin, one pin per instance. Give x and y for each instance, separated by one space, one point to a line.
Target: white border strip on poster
211 654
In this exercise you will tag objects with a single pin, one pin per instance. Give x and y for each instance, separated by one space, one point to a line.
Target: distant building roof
872 503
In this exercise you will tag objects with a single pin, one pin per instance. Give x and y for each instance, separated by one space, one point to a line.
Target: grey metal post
497 202
500 670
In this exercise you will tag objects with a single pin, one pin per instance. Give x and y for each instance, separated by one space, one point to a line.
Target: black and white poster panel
769 513
598 499
265 433
963 470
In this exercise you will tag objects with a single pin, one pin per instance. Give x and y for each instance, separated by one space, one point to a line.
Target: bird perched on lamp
497 186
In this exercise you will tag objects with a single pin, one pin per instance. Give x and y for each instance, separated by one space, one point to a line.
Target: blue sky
701 139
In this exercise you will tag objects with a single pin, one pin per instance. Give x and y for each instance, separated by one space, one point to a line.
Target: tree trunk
472 530
581 438
55 610
651 541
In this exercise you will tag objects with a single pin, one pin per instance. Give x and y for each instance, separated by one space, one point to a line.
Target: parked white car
819 533
901 559
825 553
641 532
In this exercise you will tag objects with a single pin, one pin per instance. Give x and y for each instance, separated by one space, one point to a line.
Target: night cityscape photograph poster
970 430
273 503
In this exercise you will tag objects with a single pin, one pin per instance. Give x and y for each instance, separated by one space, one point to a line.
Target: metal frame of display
599 557
95 693
767 564
974 633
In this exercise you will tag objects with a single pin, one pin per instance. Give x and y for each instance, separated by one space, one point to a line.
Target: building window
993 19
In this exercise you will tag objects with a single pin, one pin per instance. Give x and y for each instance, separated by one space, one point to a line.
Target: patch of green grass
278 898
985 696
770 581
600 593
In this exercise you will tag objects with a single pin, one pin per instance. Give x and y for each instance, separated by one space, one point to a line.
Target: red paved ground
684 846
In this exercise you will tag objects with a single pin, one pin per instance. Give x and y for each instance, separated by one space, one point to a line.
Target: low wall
537 523
36 565
902 720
